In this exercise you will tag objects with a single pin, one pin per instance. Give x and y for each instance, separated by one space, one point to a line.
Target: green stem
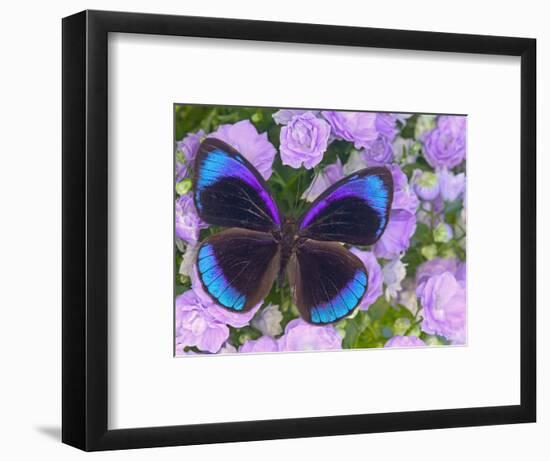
417 322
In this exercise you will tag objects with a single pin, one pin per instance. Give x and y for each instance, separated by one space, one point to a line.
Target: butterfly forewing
229 191
237 267
355 210
329 281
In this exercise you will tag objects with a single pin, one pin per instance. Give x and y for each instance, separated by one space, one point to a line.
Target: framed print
276 230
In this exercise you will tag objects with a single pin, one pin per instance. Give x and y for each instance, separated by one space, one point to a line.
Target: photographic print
308 229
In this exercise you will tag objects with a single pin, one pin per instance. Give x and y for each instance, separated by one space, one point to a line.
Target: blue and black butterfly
238 266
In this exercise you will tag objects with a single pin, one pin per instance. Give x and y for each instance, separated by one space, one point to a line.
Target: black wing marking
229 191
237 267
329 281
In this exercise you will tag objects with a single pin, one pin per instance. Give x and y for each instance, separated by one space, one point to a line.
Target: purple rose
438 266
405 341
426 185
235 319
386 125
452 186
188 223
375 277
460 273
262 344
379 152
195 327
323 180
304 141
283 116
357 127
404 197
188 147
255 147
443 299
402 224
445 145
396 238
302 336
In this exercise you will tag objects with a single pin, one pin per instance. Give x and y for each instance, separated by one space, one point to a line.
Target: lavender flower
255 147
195 327
323 180
405 341
283 116
445 145
186 149
452 186
268 321
189 251
357 127
302 336
379 152
386 125
404 197
221 314
188 223
304 140
438 266
262 344
374 285
394 273
460 273
443 299
426 184
402 224
396 238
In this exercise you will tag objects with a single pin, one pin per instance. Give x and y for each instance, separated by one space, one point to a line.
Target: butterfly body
238 266
287 240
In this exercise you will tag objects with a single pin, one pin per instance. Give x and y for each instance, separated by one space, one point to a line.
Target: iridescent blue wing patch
237 267
355 210
229 191
329 281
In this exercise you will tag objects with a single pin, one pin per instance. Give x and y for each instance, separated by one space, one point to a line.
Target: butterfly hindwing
229 191
329 281
355 210
237 267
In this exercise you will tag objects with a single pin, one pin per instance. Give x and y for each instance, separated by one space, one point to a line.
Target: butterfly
238 265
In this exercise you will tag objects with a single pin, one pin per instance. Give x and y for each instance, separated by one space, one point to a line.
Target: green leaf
422 234
353 329
408 130
413 258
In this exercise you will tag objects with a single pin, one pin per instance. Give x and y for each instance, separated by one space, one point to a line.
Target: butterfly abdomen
288 239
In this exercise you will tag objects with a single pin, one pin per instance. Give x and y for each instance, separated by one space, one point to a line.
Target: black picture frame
85 223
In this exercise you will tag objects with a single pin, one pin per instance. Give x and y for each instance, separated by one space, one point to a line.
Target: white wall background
30 226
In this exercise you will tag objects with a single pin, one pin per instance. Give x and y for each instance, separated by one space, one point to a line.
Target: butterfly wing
329 281
237 267
355 210
229 191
